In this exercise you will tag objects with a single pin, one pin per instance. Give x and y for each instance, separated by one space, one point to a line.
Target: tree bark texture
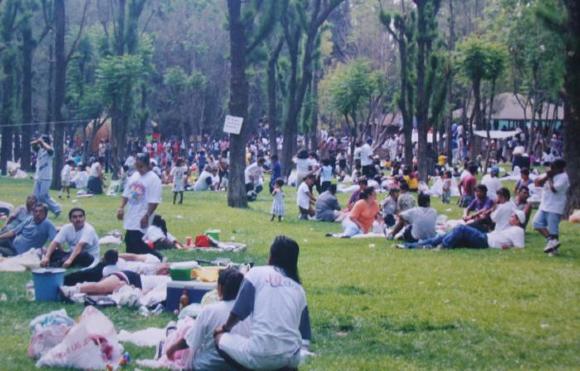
26 104
238 105
59 90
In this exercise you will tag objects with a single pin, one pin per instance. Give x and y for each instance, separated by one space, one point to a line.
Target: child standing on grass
278 201
446 193
66 178
178 172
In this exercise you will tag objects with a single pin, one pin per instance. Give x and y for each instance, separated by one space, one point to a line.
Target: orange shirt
364 213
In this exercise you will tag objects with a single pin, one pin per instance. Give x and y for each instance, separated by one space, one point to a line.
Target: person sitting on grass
406 200
419 221
157 236
362 185
20 214
521 202
481 206
524 180
304 197
469 237
31 233
390 207
81 239
327 206
502 211
275 299
361 217
200 337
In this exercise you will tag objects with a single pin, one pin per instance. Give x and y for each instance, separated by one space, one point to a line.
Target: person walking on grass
140 199
555 185
278 200
43 176
178 173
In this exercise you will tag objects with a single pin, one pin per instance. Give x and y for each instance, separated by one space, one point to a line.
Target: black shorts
130 277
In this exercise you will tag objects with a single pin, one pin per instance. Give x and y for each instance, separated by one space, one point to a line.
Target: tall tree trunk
572 104
449 121
26 106
59 90
474 140
422 109
314 108
238 105
273 97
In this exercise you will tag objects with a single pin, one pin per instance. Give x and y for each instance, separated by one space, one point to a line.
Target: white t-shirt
70 236
204 181
555 202
178 173
492 184
81 179
130 162
366 153
43 165
253 173
502 214
422 220
94 171
277 307
140 191
326 173
303 196
512 236
154 234
66 174
200 337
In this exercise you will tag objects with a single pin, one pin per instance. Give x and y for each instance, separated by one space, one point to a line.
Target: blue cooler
195 291
46 283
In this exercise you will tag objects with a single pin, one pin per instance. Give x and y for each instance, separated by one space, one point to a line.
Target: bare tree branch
79 34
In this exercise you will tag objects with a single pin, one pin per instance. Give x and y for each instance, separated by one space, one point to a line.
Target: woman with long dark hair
276 300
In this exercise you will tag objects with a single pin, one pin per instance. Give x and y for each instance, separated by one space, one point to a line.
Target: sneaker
400 246
69 291
551 246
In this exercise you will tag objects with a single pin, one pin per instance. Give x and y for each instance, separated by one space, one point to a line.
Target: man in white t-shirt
253 176
206 179
304 197
492 182
82 241
140 199
555 185
366 160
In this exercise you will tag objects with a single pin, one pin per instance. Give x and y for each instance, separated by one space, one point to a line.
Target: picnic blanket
20 263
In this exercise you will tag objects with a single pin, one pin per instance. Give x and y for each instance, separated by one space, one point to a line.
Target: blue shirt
477 204
276 172
31 235
44 164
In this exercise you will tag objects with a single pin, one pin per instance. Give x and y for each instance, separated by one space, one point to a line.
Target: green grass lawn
372 306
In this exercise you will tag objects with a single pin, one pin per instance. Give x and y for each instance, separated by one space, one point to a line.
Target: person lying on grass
82 241
274 298
200 337
139 263
113 278
469 237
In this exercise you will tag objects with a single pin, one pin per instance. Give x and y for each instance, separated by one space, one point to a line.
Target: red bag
202 241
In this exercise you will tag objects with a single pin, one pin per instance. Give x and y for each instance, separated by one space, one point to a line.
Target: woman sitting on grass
275 299
361 217
200 337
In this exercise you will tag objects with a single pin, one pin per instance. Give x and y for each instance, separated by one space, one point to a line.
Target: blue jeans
460 236
41 188
550 221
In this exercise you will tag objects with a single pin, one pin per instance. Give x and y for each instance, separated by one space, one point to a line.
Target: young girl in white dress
278 201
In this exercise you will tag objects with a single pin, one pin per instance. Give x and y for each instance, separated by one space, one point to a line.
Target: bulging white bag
91 344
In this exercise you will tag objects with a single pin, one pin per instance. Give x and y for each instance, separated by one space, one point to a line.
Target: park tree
249 24
302 22
356 91
8 17
479 61
566 25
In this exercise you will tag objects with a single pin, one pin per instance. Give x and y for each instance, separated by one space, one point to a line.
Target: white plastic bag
90 344
47 331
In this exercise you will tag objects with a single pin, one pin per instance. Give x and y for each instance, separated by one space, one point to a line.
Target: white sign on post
233 124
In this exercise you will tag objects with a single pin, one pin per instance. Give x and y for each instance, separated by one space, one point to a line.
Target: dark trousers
135 244
94 274
59 256
6 248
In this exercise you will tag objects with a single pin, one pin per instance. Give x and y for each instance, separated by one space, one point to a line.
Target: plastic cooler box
195 291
